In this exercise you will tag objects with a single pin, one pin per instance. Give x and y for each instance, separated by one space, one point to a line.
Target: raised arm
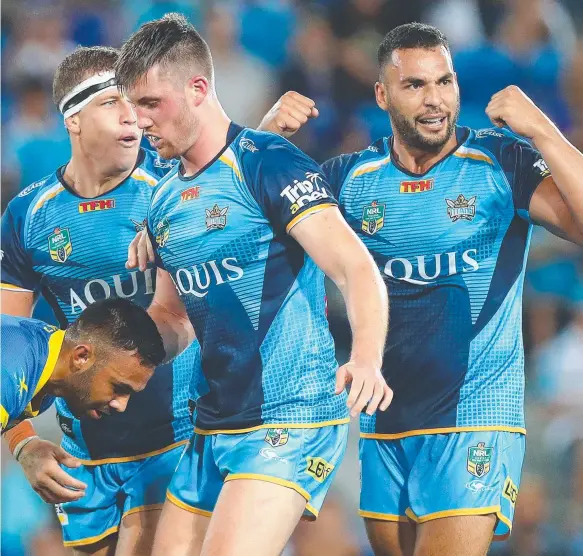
557 203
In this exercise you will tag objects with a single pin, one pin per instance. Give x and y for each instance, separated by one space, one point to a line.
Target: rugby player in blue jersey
106 355
243 264
66 237
447 214
63 237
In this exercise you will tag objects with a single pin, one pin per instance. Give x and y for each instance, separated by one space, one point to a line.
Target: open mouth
129 139
154 140
433 123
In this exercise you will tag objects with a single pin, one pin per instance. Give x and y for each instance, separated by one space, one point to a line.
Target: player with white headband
85 92
89 209
66 237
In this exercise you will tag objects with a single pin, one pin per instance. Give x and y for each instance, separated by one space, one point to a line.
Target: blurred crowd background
326 49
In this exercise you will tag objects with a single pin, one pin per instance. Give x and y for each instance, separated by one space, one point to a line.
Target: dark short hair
410 35
79 65
120 324
165 42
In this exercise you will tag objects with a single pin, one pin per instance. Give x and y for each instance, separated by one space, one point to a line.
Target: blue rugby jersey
73 251
30 349
254 297
451 245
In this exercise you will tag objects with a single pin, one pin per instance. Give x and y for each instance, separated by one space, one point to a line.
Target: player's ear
197 89
82 357
380 92
73 125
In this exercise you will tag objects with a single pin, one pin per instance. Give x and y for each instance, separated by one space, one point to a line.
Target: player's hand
288 114
40 461
140 251
513 108
367 386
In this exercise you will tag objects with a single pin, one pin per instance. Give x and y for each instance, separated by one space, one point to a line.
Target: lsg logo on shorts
319 468
510 490
62 514
479 458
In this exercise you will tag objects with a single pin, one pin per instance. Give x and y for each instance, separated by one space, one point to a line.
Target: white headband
85 92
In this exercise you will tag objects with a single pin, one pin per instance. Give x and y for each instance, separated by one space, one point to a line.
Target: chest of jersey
210 232
430 228
79 246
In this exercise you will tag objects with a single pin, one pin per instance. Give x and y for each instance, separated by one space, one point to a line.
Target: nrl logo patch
479 458
373 218
461 208
216 218
162 232
277 437
60 245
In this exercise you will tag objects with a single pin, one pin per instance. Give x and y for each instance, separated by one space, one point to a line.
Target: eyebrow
419 80
126 386
145 100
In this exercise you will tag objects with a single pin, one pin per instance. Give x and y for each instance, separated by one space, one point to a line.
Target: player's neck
88 179
212 138
55 385
418 161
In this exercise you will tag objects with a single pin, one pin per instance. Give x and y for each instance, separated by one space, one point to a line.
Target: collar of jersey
55 343
61 172
461 133
234 130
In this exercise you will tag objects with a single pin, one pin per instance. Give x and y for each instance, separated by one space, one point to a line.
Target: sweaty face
106 386
163 112
109 131
419 90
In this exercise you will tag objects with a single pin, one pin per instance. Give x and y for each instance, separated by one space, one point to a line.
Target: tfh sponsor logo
96 204
419 186
190 194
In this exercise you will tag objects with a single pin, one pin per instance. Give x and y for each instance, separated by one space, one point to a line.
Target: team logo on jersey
162 232
139 226
97 204
190 194
49 328
60 246
479 458
373 218
461 208
248 145
510 490
61 514
318 468
417 186
216 218
277 437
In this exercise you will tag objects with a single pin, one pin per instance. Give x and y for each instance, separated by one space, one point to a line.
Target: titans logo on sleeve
73 251
256 300
451 245
30 349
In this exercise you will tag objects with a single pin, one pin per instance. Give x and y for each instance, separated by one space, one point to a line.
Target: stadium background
326 49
